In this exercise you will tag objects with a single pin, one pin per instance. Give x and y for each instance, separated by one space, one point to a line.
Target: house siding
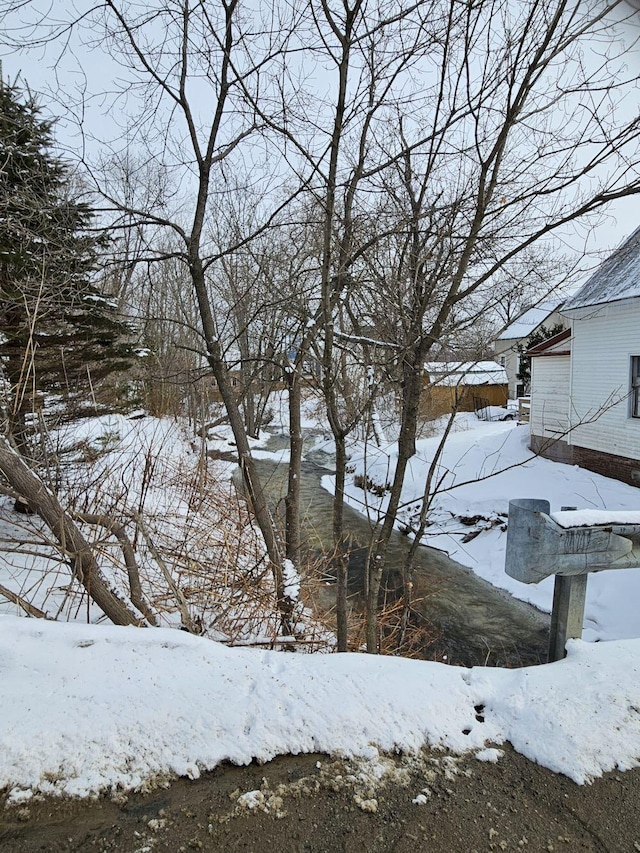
604 339
508 348
509 351
550 388
605 335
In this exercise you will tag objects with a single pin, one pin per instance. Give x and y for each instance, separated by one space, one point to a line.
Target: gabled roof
559 344
530 320
618 277
452 373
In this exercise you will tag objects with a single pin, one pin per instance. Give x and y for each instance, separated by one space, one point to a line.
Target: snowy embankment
87 708
483 467
199 558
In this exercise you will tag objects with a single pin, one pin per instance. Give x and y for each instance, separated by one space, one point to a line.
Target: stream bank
477 623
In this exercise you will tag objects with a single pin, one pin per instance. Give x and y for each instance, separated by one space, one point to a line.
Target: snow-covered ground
483 467
87 708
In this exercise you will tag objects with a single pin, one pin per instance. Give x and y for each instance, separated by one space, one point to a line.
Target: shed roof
617 277
559 344
451 373
530 320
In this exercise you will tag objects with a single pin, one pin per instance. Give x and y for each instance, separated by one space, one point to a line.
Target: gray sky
95 70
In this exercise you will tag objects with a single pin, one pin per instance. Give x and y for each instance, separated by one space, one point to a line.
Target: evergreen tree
57 331
535 338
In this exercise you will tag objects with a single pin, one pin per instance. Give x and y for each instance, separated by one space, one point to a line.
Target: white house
550 394
506 346
585 383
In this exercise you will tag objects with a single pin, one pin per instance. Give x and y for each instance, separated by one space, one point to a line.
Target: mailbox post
538 547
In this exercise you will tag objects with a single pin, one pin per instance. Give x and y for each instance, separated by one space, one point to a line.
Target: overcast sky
96 71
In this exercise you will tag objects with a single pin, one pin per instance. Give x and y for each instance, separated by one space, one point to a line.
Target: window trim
634 386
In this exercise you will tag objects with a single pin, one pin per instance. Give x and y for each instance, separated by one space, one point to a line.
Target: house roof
617 277
530 320
559 344
451 373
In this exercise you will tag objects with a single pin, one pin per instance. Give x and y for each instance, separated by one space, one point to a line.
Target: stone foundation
607 464
551 448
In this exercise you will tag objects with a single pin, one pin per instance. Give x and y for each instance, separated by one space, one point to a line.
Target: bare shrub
169 530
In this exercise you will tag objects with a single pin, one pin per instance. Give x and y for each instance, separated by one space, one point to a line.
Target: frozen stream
479 623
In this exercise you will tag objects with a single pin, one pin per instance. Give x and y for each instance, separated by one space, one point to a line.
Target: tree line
336 191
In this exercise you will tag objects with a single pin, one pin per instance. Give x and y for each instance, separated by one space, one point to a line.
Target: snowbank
87 708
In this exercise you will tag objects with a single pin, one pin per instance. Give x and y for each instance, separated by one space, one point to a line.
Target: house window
502 360
635 386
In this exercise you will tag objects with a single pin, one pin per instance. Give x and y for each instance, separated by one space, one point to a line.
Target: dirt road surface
315 804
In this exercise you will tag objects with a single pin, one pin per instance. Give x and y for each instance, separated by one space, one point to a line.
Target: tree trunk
292 498
339 544
250 478
20 399
412 392
83 562
133 572
247 382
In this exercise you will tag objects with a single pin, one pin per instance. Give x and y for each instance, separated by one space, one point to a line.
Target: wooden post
569 594
567 616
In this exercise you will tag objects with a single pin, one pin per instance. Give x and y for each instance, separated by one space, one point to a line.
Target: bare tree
369 49
512 158
177 56
259 287
454 142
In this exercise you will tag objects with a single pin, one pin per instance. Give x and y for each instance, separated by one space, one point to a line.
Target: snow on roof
617 277
530 320
452 373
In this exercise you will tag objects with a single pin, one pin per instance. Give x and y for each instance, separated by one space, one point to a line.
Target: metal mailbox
538 547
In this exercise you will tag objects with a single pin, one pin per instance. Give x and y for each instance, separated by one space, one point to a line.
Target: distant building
459 384
517 333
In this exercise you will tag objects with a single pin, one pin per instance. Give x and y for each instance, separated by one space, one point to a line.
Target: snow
483 467
149 471
596 518
490 755
88 708
530 320
291 580
455 373
251 800
618 277
100 300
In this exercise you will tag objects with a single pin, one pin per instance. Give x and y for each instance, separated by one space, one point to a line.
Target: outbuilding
509 346
462 385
